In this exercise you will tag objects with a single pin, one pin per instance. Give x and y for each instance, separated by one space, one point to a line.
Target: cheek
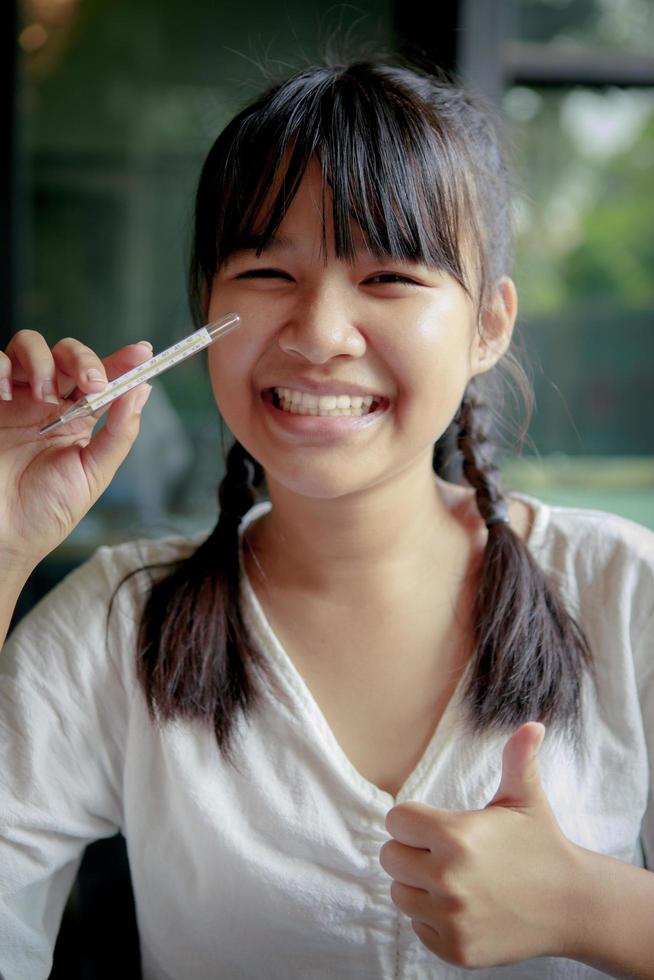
444 331
434 357
230 362
233 361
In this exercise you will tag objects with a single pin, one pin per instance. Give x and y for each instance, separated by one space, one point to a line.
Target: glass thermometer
150 369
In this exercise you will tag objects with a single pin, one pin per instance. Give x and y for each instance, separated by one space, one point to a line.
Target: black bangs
386 163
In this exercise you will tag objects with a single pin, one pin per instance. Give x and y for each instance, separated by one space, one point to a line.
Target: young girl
318 726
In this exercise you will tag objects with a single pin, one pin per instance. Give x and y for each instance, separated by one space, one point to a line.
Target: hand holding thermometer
144 372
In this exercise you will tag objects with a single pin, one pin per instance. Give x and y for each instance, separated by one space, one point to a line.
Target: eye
390 278
264 274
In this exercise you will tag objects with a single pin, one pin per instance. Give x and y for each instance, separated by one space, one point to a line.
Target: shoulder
97 578
114 563
595 553
595 534
93 612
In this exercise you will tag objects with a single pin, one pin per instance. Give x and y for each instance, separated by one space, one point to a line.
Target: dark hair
417 164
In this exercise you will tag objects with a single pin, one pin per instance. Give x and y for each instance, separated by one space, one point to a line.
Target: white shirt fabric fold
271 870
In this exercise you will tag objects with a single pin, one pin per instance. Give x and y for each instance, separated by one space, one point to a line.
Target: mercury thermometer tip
51 425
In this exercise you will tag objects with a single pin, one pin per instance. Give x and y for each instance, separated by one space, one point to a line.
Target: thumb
109 447
520 783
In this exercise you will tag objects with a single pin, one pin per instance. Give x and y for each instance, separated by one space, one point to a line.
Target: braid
236 493
530 654
479 469
195 656
446 461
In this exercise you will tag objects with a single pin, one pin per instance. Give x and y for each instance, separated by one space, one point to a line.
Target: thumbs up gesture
486 887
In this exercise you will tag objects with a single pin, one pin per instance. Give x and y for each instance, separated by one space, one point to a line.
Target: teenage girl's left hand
486 887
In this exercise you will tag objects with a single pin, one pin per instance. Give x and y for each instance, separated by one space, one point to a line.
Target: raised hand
48 483
486 887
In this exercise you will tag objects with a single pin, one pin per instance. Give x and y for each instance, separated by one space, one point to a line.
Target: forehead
308 221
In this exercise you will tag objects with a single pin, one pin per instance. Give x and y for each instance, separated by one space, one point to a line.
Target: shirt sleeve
64 709
645 663
637 579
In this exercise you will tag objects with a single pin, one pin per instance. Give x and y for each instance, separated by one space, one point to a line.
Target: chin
318 482
318 489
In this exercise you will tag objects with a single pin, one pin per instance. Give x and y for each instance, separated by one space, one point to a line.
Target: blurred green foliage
626 24
584 216
585 265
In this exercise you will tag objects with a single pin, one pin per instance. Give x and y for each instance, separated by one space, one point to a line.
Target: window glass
618 24
585 270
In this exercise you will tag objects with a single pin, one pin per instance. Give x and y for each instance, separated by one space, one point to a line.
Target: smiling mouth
303 403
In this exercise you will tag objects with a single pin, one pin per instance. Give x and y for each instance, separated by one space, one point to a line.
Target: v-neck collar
306 710
304 706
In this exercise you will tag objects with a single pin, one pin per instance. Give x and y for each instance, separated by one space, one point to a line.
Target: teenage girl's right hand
48 482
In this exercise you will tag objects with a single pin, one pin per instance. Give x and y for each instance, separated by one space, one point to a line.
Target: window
585 269
575 80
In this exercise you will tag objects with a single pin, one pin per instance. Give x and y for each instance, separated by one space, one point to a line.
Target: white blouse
271 870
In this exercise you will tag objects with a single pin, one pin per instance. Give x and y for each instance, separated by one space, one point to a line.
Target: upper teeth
314 404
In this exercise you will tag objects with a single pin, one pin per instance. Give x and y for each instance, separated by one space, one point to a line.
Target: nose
321 326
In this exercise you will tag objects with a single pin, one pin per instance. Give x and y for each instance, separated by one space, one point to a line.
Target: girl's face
389 345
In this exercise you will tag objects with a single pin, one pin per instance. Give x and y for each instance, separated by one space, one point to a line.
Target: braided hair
195 656
530 654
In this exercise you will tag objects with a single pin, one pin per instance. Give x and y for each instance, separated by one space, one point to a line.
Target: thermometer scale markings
183 349
201 338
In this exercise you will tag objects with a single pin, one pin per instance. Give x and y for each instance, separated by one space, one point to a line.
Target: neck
392 536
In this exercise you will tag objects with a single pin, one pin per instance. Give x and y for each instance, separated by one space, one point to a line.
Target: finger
127 358
33 364
447 943
520 783
5 378
416 824
408 865
78 365
414 902
109 447
114 365
429 937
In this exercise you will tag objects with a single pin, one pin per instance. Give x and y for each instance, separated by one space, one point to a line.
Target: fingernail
94 375
145 343
141 398
48 393
5 390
